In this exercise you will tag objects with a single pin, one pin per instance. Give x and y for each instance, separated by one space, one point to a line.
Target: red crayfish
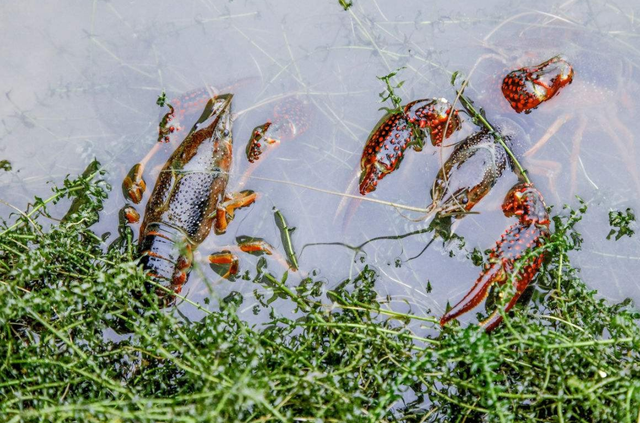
389 139
471 171
531 231
526 88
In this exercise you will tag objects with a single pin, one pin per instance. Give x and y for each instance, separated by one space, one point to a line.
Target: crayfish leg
226 258
257 247
133 185
226 210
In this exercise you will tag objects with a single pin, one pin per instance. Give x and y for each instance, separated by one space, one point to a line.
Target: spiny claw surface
431 116
384 150
386 145
255 144
526 88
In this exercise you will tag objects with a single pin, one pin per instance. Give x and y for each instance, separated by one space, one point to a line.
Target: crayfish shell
384 150
505 260
434 117
181 210
474 167
526 88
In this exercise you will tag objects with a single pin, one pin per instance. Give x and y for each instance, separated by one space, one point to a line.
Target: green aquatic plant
82 339
5 165
162 99
285 235
164 130
389 92
620 223
346 5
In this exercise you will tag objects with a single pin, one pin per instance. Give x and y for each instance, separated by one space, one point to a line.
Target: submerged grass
81 339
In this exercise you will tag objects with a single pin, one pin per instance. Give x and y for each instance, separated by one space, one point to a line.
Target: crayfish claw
133 185
532 230
477 294
495 318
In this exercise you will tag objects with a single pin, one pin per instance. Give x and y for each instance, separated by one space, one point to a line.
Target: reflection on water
85 84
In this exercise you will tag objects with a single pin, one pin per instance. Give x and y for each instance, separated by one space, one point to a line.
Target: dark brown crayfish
474 167
189 198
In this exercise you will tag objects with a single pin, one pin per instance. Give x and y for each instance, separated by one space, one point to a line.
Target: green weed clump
81 339
620 223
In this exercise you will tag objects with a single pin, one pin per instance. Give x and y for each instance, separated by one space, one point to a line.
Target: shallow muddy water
80 80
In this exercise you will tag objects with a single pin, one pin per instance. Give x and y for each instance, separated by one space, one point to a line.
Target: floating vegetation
5 165
389 93
285 236
83 340
345 4
162 99
620 223
164 129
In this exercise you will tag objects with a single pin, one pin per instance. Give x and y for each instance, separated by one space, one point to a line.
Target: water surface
80 80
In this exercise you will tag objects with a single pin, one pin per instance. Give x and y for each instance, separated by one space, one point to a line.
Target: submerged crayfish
472 170
190 198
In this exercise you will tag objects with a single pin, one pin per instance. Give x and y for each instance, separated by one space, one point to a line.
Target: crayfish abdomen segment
166 255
